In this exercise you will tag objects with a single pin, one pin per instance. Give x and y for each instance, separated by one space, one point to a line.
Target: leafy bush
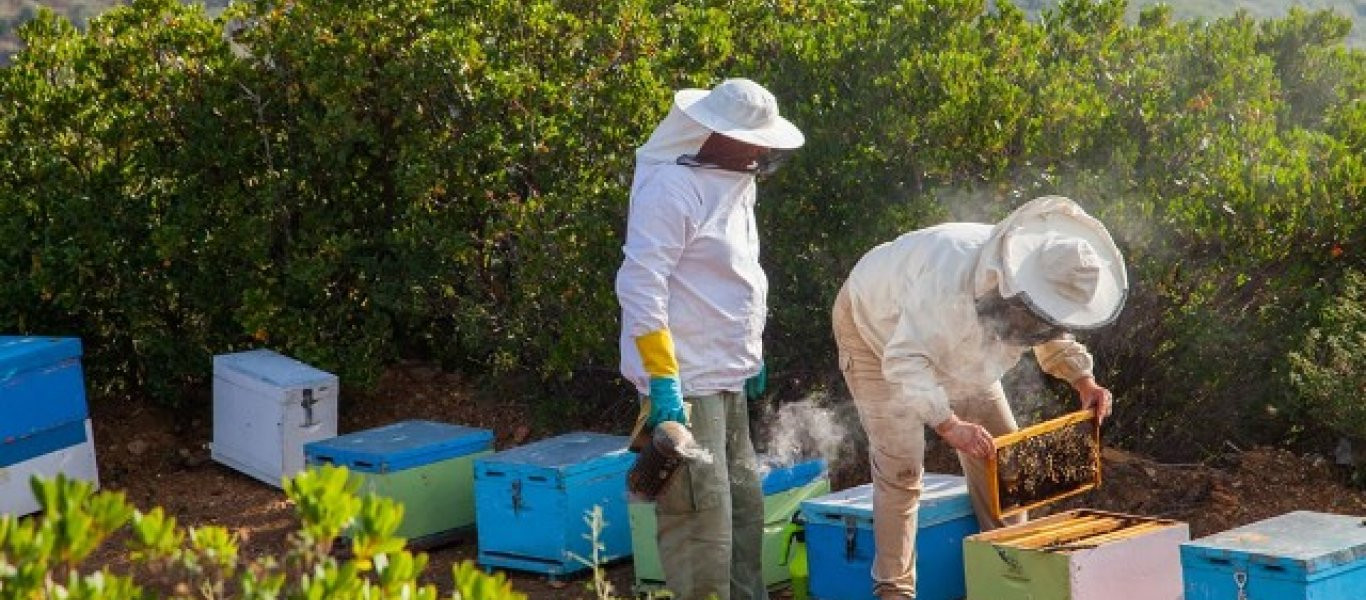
41 557
352 182
1328 369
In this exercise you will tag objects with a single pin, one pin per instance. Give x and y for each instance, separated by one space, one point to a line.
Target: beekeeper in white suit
694 301
928 323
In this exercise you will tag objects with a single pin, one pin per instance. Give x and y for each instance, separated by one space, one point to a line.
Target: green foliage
42 556
354 182
1328 367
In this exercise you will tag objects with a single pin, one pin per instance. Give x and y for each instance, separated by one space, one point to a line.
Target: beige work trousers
711 517
896 448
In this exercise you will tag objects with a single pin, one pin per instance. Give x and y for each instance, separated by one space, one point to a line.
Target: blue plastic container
41 387
1297 556
531 503
840 547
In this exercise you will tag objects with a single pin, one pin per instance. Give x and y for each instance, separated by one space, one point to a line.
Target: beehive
840 545
530 503
784 489
44 424
1077 555
425 465
266 406
1044 463
1296 556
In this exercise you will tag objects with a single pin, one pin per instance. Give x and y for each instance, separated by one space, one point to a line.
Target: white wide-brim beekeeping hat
743 110
1063 263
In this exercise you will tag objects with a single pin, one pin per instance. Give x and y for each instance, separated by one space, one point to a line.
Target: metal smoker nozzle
660 456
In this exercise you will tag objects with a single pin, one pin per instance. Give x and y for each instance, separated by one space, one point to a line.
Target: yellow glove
666 393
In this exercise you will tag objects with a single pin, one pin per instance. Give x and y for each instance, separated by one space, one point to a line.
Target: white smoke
804 430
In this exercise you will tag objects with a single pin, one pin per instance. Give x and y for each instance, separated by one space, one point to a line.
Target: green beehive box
1080 554
784 491
424 465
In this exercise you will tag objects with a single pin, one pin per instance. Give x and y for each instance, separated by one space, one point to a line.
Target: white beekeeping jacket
692 265
914 298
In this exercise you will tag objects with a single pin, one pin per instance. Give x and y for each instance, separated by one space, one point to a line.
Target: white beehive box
266 406
75 461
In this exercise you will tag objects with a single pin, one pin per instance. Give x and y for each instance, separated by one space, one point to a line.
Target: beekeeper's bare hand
1093 396
969 438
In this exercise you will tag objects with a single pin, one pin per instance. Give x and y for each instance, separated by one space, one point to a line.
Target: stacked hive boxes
265 408
531 503
44 421
426 466
840 546
784 490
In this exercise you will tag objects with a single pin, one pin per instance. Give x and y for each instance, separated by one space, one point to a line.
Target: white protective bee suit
913 350
693 304
692 265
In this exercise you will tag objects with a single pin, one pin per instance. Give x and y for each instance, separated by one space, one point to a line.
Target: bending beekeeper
928 323
694 301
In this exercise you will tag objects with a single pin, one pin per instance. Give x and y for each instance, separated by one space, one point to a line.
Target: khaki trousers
711 518
896 448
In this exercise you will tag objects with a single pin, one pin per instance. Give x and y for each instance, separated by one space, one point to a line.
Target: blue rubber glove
755 386
666 401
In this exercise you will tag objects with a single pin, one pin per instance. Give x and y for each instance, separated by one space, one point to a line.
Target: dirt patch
160 457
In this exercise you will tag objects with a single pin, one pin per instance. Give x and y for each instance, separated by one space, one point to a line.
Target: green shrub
42 556
1328 368
352 182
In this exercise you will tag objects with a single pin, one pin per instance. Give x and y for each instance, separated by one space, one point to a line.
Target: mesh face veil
1012 320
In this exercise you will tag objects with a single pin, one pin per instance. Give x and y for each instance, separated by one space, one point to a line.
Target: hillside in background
1262 9
14 13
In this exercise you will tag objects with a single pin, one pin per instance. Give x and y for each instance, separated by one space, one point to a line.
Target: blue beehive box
839 541
1296 556
44 422
530 503
426 466
41 387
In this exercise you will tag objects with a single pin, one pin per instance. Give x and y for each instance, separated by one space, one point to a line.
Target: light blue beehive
530 502
1296 556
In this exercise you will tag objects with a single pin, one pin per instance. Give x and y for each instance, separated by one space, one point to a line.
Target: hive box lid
1309 544
22 353
269 369
399 446
569 454
944 498
780 478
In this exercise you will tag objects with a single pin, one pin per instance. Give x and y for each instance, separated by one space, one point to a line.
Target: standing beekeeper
928 323
693 302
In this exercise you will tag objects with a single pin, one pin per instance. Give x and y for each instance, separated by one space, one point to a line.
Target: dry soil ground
160 457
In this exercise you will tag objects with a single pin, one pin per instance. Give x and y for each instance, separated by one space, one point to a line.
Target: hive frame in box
1009 439
1081 554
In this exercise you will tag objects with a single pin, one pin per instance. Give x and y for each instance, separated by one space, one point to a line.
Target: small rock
137 447
520 434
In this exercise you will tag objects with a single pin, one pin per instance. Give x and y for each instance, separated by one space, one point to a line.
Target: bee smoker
661 451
